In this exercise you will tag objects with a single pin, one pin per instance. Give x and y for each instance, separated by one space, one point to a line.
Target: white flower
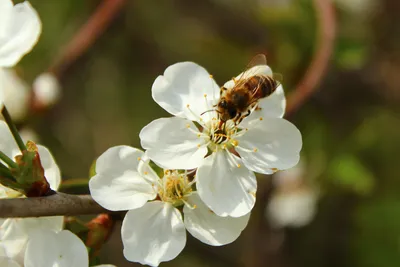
294 202
153 232
15 94
46 89
20 28
15 232
225 182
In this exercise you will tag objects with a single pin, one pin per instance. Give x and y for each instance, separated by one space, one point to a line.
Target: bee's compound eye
232 113
223 104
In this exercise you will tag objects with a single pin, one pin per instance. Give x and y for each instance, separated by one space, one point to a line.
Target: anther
139 158
205 95
187 105
199 135
255 149
261 118
145 173
235 143
198 145
238 165
211 76
188 125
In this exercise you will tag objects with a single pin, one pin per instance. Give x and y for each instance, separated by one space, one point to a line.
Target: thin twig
53 205
325 42
87 35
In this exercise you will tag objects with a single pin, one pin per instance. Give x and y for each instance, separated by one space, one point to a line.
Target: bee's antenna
209 111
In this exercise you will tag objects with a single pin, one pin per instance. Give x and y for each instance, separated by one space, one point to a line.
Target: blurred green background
350 126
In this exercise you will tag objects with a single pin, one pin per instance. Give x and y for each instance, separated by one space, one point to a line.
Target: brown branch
87 35
325 42
53 205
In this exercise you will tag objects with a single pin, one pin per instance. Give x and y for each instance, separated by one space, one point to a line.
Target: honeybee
237 102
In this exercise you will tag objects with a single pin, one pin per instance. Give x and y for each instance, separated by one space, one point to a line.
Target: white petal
6 262
272 106
7 144
171 143
209 228
48 249
119 158
29 225
153 233
15 94
256 70
6 7
277 143
12 239
118 185
51 170
22 31
1 90
183 84
28 134
227 189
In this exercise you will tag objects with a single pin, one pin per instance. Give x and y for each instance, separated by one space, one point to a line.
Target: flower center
175 187
221 136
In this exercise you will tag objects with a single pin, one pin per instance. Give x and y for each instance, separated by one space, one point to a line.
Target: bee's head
226 111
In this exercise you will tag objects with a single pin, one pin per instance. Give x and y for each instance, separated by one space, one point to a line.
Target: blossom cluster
195 174
208 185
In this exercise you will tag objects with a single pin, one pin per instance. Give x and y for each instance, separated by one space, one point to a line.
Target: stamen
235 142
198 118
188 205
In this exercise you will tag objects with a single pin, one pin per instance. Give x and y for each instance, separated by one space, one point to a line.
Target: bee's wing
257 60
278 78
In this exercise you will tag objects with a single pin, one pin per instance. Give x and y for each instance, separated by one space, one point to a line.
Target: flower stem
13 129
8 161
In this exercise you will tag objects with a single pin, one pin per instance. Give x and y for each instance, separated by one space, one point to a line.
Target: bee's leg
242 117
238 118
